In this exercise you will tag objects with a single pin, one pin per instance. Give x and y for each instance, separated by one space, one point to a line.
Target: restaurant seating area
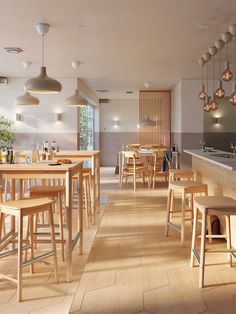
117 157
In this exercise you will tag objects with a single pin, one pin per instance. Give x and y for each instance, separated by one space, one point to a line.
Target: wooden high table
43 170
94 158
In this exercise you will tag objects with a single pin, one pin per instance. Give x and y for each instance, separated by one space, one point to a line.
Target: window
86 128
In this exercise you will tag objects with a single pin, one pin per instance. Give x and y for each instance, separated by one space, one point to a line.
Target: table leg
93 189
98 178
80 196
13 219
68 232
120 169
21 194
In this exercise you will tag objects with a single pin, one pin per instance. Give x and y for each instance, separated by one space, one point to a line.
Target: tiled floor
132 267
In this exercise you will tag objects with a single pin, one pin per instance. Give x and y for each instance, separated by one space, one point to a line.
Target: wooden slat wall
157 105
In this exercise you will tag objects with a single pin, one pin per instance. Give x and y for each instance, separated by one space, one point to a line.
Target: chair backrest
133 147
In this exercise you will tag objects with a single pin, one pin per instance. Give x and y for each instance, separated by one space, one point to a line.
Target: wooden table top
77 153
41 167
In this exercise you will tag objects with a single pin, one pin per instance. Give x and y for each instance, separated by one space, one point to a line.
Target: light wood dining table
43 170
91 160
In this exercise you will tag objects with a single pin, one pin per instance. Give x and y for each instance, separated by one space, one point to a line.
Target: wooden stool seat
19 209
179 174
186 189
187 186
211 205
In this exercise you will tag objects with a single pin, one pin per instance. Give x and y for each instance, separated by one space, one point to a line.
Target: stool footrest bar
38 258
177 228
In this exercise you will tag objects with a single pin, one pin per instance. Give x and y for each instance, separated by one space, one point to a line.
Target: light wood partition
157 105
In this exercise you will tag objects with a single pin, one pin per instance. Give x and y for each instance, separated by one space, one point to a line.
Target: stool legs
202 250
59 202
53 242
183 219
228 227
194 235
20 256
169 207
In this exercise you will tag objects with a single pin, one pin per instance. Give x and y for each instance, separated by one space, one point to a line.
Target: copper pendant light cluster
210 103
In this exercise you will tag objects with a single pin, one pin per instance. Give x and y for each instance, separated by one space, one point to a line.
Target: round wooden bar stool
57 193
19 209
180 174
211 205
187 189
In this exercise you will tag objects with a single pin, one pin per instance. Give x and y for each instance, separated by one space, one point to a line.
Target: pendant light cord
220 64
207 79
202 75
234 59
43 50
213 74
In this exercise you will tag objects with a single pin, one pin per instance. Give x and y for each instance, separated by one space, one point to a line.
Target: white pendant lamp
43 84
26 99
76 100
147 122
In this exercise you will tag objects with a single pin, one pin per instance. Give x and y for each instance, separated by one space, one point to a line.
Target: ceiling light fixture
43 84
202 94
227 74
13 50
147 122
147 85
232 99
207 107
26 99
76 100
213 51
220 93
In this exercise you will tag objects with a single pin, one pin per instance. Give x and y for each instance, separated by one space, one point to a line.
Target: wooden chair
158 165
185 189
211 205
18 210
133 169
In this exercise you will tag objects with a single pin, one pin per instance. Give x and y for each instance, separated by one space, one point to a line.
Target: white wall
41 118
125 111
192 108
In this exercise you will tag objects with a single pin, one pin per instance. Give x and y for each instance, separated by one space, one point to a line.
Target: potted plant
7 135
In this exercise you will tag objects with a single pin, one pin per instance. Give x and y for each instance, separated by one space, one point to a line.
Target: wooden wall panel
157 105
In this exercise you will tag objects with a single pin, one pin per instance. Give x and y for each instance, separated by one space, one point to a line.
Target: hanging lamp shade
147 122
76 100
27 100
43 84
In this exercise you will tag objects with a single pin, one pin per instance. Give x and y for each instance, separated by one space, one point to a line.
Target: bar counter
219 173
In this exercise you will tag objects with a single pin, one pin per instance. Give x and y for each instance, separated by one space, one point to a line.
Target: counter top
218 157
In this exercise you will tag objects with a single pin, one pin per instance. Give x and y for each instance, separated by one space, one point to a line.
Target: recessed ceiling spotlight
129 92
81 26
26 64
203 27
102 90
147 84
14 50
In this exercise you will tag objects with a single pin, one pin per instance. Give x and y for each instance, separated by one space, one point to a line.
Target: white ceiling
124 42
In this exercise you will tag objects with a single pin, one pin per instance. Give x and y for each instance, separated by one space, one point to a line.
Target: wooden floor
132 267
